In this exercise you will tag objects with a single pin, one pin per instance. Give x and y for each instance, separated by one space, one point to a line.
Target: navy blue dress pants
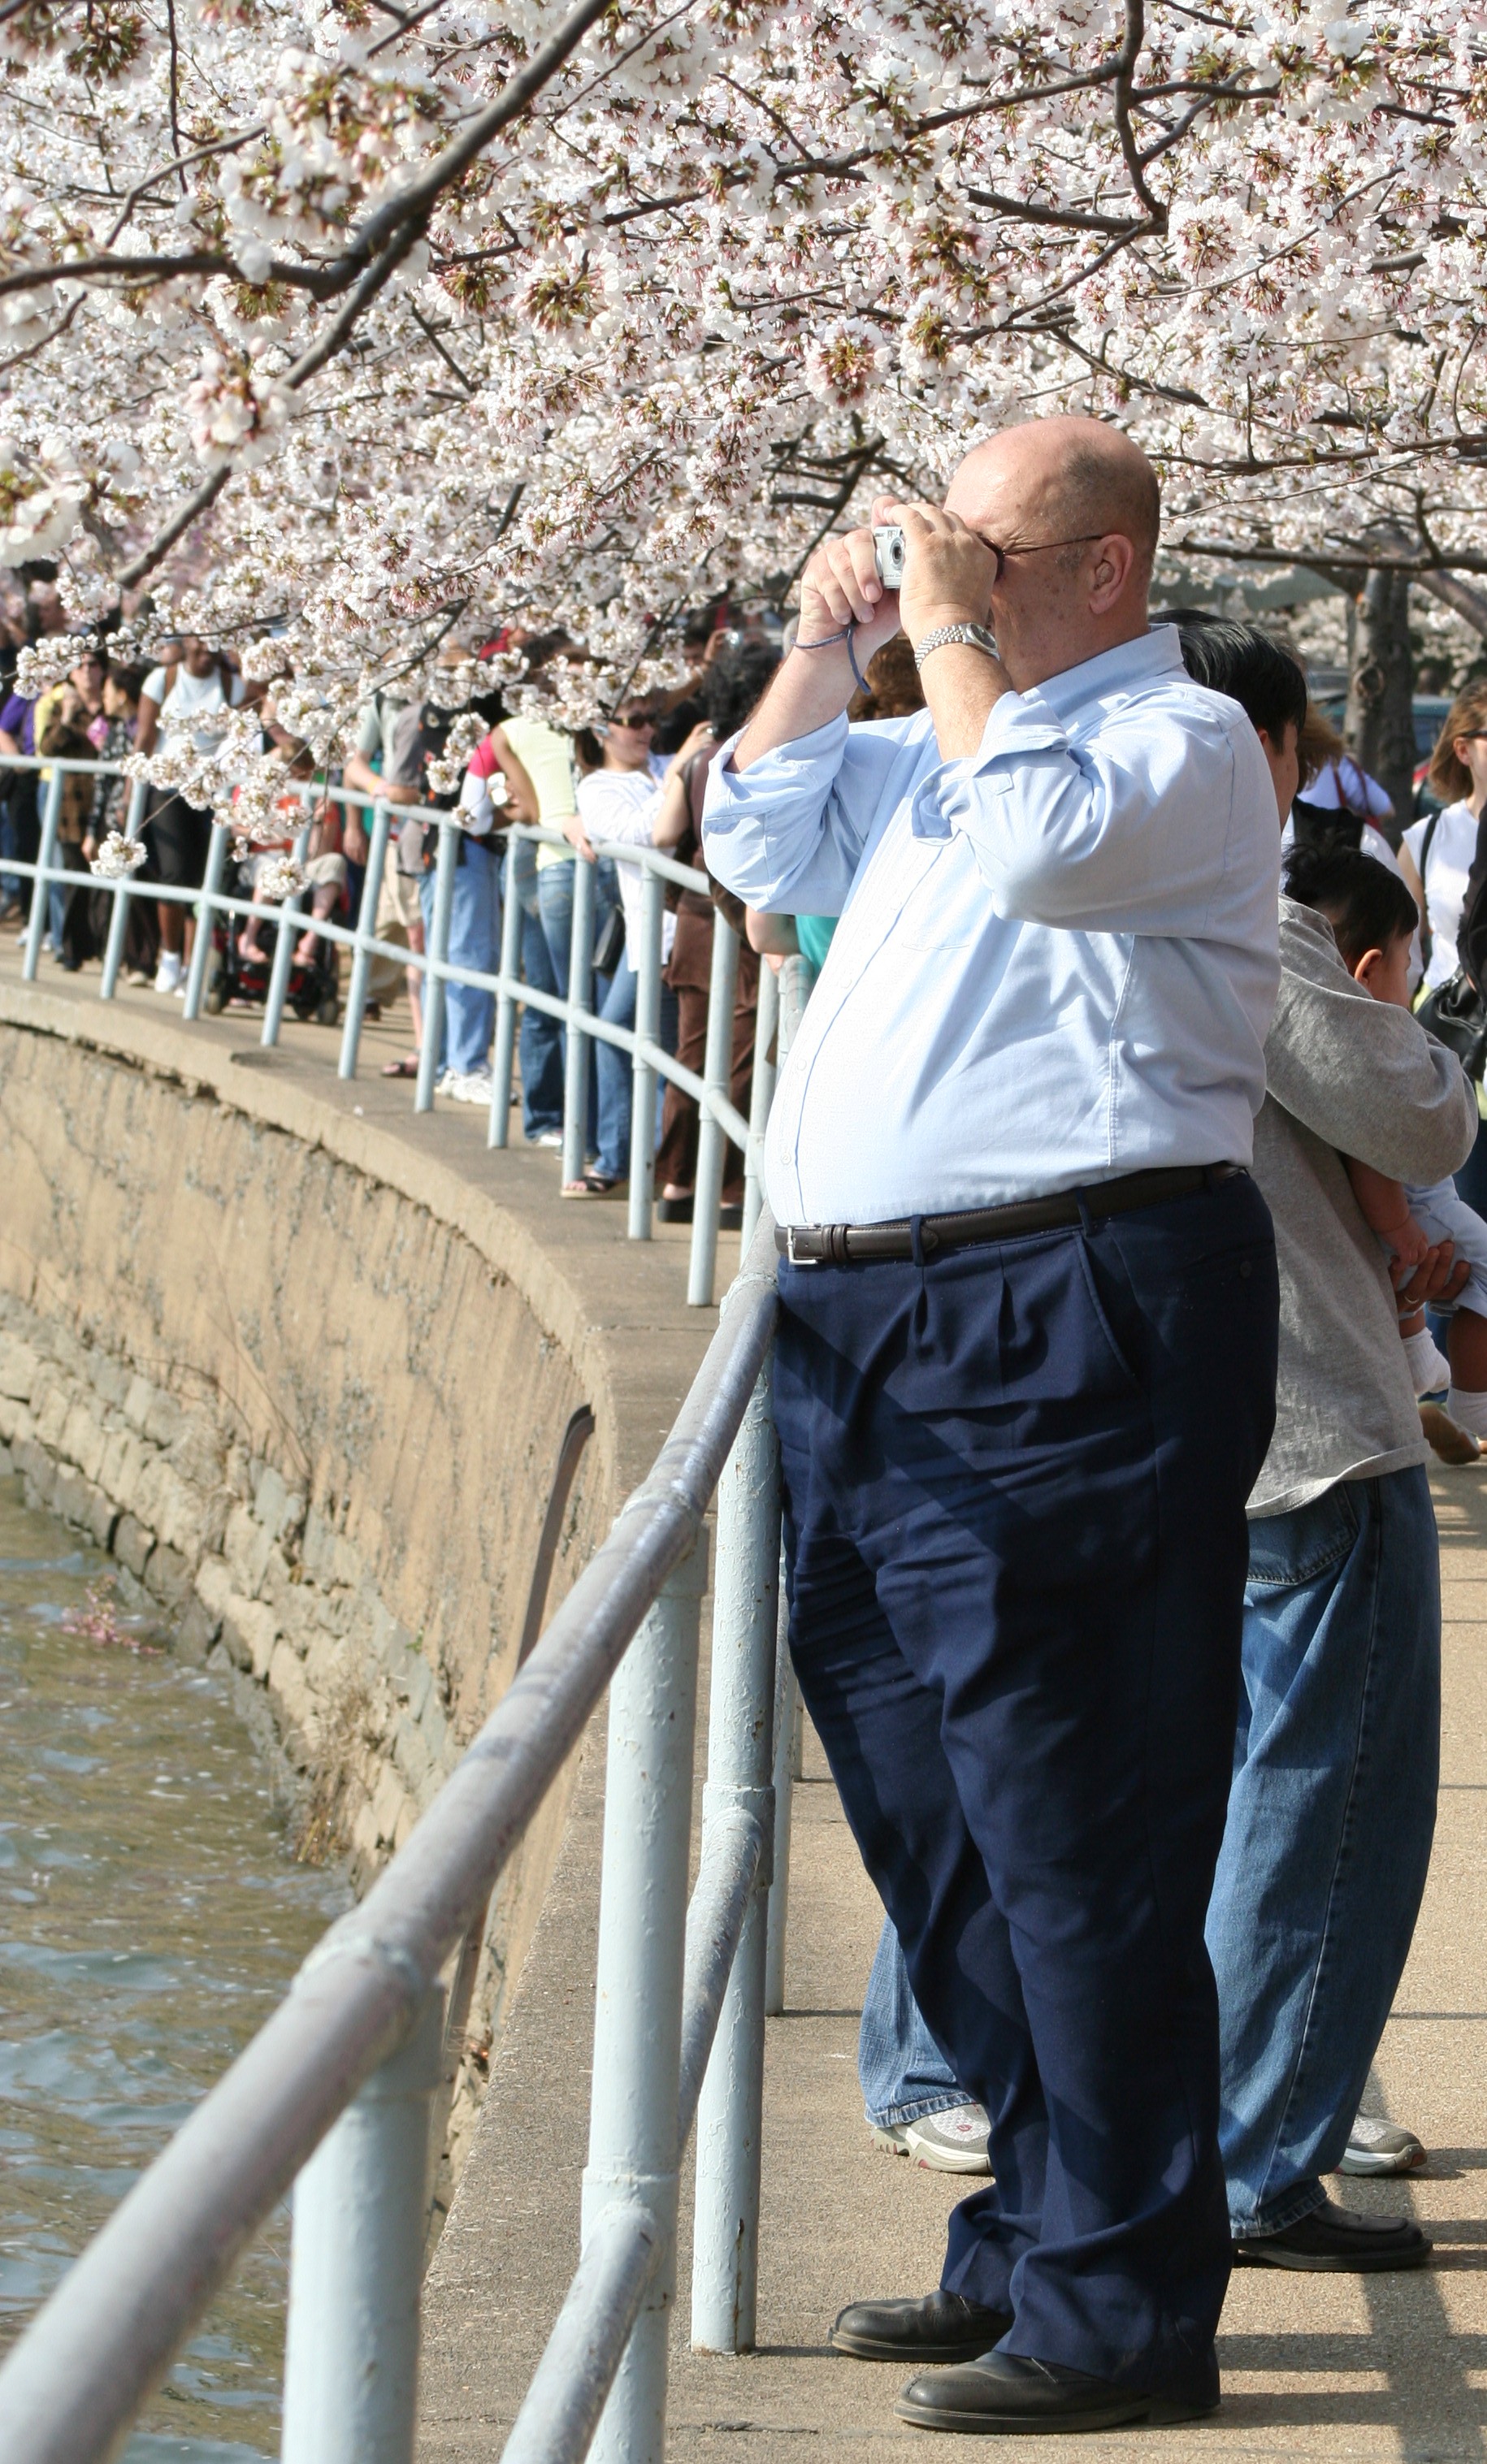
1016 1480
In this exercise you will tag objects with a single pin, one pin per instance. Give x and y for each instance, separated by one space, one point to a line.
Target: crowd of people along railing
719 1121
335 2093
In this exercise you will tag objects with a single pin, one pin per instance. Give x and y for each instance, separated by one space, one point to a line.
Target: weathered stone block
123 1466
292 1696
101 1516
133 1542
196 1632
167 1575
83 1440
250 1632
413 1682
137 1402
36 1467
196 1453
163 1419
6 1461
213 1587
410 1752
386 1806
18 1368
110 1377
436 1733
406 1821
15 1420
364 1839
52 1415
246 1547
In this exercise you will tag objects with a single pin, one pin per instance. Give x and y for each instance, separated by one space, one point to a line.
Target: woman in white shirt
1436 856
625 800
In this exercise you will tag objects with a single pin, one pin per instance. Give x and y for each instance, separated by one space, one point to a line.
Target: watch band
975 636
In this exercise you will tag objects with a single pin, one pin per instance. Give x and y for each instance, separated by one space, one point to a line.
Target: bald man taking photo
1025 1376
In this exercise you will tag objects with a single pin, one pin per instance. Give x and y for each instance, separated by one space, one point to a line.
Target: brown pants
688 973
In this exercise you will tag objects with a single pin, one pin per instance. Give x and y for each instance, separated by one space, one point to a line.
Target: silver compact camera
888 554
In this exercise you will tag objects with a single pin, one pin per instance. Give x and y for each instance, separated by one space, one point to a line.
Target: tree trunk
1379 725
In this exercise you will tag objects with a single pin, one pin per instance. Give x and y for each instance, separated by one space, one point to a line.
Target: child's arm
1385 1210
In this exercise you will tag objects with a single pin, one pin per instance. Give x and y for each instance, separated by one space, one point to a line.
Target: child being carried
1373 918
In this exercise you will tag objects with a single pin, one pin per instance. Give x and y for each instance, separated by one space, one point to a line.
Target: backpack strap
1426 936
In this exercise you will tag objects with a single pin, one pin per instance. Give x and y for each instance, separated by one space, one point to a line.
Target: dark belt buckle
795 1259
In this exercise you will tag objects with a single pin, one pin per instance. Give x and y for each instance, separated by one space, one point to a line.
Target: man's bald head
1061 478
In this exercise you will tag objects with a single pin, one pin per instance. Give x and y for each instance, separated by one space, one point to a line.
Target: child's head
1261 676
1372 914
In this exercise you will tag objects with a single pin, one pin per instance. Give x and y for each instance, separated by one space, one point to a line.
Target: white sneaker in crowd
168 974
1375 2148
947 2143
552 1139
475 1088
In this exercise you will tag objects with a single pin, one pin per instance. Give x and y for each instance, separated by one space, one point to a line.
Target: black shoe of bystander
1337 2241
1010 2395
941 2327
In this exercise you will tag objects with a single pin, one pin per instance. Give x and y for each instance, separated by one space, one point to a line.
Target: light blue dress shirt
1057 958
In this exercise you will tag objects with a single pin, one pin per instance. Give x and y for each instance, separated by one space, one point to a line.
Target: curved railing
719 1120
336 2091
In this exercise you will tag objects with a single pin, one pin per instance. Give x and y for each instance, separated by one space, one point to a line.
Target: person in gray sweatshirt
1333 1802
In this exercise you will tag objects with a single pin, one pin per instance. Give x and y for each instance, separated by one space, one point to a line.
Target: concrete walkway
1333 2366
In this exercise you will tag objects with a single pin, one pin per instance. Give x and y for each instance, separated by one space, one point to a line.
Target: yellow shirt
548 762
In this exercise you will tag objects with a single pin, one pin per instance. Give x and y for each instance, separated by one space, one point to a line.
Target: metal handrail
719 1119
363 2011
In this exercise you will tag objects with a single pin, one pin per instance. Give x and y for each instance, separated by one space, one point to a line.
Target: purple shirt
18 719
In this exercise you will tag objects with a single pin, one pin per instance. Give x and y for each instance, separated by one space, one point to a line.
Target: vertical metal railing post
436 957
503 1057
37 923
289 914
119 920
359 2218
366 931
740 1753
712 1143
648 1028
638 2009
201 946
761 1097
581 987
786 1719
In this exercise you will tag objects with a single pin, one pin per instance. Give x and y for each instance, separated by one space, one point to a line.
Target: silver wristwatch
976 635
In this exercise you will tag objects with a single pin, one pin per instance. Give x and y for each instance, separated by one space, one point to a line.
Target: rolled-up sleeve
1130 833
780 834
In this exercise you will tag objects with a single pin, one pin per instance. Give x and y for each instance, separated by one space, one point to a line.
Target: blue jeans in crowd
1331 1813
1014 1490
609 1135
616 1077
902 2073
542 1037
473 941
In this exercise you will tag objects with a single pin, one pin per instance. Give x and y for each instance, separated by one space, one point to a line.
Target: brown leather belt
837 1244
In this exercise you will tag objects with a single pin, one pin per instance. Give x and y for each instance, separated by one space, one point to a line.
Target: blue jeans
1330 1817
1014 1484
541 1043
555 907
1472 1178
902 2073
473 941
616 1077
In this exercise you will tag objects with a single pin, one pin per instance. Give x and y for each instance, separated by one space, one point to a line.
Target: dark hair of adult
735 684
1250 667
1366 905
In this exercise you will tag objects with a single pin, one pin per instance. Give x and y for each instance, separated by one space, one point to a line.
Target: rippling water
150 1916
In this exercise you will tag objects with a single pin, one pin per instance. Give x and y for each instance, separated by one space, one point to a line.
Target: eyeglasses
1086 539
632 719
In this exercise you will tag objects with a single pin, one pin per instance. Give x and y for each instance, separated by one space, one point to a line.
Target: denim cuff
1277 2215
895 2115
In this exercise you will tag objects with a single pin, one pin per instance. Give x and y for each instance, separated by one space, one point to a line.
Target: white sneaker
947 2143
168 974
475 1089
552 1139
1376 2147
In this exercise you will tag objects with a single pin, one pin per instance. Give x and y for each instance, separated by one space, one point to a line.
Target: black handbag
1455 1014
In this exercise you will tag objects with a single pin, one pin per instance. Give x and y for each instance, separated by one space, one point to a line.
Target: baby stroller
235 976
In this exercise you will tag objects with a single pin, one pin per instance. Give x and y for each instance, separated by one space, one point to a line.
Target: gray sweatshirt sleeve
1358 1073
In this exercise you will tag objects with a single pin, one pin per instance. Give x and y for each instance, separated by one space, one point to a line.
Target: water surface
152 1913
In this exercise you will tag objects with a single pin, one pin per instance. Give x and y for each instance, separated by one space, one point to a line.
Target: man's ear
1114 559
1367 968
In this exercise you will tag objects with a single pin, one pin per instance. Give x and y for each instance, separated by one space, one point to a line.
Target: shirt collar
1129 665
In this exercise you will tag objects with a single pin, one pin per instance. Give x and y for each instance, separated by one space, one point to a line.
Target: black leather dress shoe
942 2327
1337 2241
1005 2395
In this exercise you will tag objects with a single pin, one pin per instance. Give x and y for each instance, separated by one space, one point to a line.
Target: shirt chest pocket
941 897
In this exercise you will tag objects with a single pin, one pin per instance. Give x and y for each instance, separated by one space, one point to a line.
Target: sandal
592 1184
407 1068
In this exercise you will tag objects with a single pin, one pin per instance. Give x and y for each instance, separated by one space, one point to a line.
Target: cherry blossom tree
369 326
